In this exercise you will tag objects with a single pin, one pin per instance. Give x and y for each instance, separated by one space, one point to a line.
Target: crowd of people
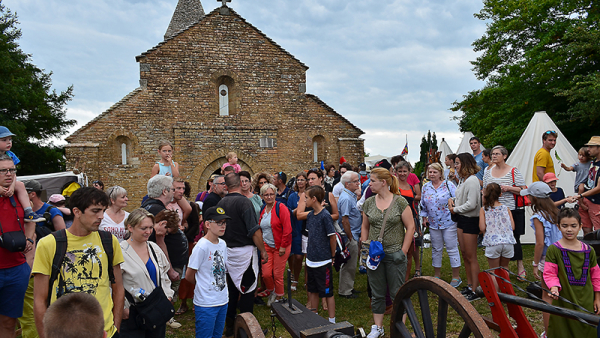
228 249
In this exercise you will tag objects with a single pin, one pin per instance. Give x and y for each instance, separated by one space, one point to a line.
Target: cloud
392 68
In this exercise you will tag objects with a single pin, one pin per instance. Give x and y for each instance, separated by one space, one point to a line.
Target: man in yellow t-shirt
85 266
542 162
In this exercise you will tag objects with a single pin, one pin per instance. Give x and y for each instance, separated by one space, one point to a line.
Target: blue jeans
210 321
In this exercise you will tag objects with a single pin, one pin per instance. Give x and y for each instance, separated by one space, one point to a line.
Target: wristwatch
30 240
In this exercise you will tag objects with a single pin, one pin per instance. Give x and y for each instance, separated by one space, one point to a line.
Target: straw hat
594 141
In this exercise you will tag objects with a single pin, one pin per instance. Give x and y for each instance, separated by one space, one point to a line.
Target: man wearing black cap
55 220
206 268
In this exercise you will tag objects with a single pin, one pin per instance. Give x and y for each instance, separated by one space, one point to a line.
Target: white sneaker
172 323
376 332
272 298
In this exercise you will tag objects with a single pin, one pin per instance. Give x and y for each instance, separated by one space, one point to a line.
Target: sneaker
272 298
471 296
32 217
466 290
376 332
172 323
455 282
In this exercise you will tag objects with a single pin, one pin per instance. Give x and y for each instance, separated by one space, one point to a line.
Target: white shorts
304 243
500 250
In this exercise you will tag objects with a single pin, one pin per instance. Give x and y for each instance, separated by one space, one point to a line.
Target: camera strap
14 204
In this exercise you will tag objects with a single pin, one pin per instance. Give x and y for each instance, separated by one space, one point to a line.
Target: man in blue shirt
477 154
351 219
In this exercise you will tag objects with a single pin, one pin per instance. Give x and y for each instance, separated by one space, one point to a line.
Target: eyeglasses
356 181
6 171
222 183
219 223
269 195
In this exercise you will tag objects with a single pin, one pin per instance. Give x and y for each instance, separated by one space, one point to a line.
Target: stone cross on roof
224 2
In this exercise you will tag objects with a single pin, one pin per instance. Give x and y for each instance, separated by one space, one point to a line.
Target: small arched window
123 153
318 148
122 150
223 100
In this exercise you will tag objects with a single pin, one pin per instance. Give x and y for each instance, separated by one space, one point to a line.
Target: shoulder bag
376 253
154 311
520 201
13 241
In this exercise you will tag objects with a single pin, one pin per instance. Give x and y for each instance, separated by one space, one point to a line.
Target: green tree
535 56
31 109
428 142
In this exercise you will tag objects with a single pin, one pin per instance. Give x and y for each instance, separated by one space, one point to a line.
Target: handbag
155 310
13 241
376 253
454 217
520 201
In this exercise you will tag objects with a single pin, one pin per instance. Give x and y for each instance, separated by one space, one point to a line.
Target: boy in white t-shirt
206 268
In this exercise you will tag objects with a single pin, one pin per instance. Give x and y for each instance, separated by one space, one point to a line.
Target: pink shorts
590 217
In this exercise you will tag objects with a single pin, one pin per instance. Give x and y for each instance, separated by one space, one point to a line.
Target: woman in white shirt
114 216
145 267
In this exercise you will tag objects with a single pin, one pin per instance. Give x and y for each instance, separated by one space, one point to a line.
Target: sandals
265 293
455 282
522 277
417 273
294 285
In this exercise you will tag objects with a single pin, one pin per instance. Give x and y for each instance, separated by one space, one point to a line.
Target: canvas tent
54 182
445 149
524 152
464 146
371 160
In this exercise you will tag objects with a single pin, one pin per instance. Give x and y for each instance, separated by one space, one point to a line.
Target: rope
558 309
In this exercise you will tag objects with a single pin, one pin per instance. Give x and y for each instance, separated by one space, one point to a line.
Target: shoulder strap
157 267
385 216
512 171
107 243
59 255
277 206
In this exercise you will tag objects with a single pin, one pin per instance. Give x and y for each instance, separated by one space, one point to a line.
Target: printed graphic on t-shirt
218 270
593 175
81 271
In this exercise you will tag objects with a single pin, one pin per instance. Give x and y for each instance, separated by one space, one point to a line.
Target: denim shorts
13 284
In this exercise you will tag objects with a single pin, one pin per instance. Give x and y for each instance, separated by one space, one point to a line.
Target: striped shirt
507 198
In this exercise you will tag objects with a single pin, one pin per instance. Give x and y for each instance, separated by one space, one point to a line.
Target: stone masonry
272 125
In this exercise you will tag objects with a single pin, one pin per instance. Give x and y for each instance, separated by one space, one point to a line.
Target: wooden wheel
444 295
246 326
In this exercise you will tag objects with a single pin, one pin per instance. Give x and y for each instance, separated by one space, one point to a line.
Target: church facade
215 84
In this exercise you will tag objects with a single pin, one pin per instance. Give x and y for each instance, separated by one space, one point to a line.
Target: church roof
187 13
106 112
327 107
216 12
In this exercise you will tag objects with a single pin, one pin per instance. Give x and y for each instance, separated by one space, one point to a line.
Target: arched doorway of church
215 168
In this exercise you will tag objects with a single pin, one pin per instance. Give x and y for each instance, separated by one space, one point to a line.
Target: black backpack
47 228
59 255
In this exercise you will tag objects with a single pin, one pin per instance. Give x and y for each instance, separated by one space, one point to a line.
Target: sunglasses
550 132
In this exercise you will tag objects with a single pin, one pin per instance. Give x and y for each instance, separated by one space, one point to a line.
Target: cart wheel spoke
412 316
403 329
442 317
465 332
426 313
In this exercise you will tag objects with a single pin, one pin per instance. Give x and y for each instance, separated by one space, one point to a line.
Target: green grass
357 311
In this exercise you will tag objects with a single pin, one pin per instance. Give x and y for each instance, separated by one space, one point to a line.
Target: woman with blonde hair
145 267
115 215
443 231
396 240
466 204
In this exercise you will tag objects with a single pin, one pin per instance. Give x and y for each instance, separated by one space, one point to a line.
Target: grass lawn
357 311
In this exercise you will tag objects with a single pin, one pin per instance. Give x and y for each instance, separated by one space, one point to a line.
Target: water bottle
138 293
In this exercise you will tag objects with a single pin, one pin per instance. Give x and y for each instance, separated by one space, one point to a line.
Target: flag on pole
405 150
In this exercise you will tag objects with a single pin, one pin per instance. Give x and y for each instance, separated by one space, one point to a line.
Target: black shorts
469 225
320 280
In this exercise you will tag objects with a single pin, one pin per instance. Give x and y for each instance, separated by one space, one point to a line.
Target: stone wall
179 101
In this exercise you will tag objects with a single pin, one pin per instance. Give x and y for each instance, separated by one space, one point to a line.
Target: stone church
215 84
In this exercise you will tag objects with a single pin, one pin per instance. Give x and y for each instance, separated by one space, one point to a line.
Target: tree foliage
30 108
536 55
428 142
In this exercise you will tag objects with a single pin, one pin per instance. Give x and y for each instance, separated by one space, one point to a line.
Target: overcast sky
393 68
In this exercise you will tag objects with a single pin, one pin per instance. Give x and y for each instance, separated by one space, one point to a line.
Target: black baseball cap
215 214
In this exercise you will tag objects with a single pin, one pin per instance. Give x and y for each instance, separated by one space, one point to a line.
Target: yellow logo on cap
220 211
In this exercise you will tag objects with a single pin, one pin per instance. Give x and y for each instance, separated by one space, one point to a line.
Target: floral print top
498 229
434 204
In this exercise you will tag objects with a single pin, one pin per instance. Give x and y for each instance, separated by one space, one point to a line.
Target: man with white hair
351 222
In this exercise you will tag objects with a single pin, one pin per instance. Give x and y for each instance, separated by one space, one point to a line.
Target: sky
393 68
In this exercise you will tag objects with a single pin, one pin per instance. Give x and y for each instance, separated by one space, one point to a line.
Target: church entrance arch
215 168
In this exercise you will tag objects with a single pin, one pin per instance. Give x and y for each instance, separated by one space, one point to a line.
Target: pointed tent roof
464 146
187 13
524 152
445 149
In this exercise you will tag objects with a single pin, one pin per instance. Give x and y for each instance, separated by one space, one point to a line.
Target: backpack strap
276 207
59 255
107 243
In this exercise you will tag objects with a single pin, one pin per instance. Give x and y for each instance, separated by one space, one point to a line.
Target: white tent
371 160
524 152
445 149
464 146
52 183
